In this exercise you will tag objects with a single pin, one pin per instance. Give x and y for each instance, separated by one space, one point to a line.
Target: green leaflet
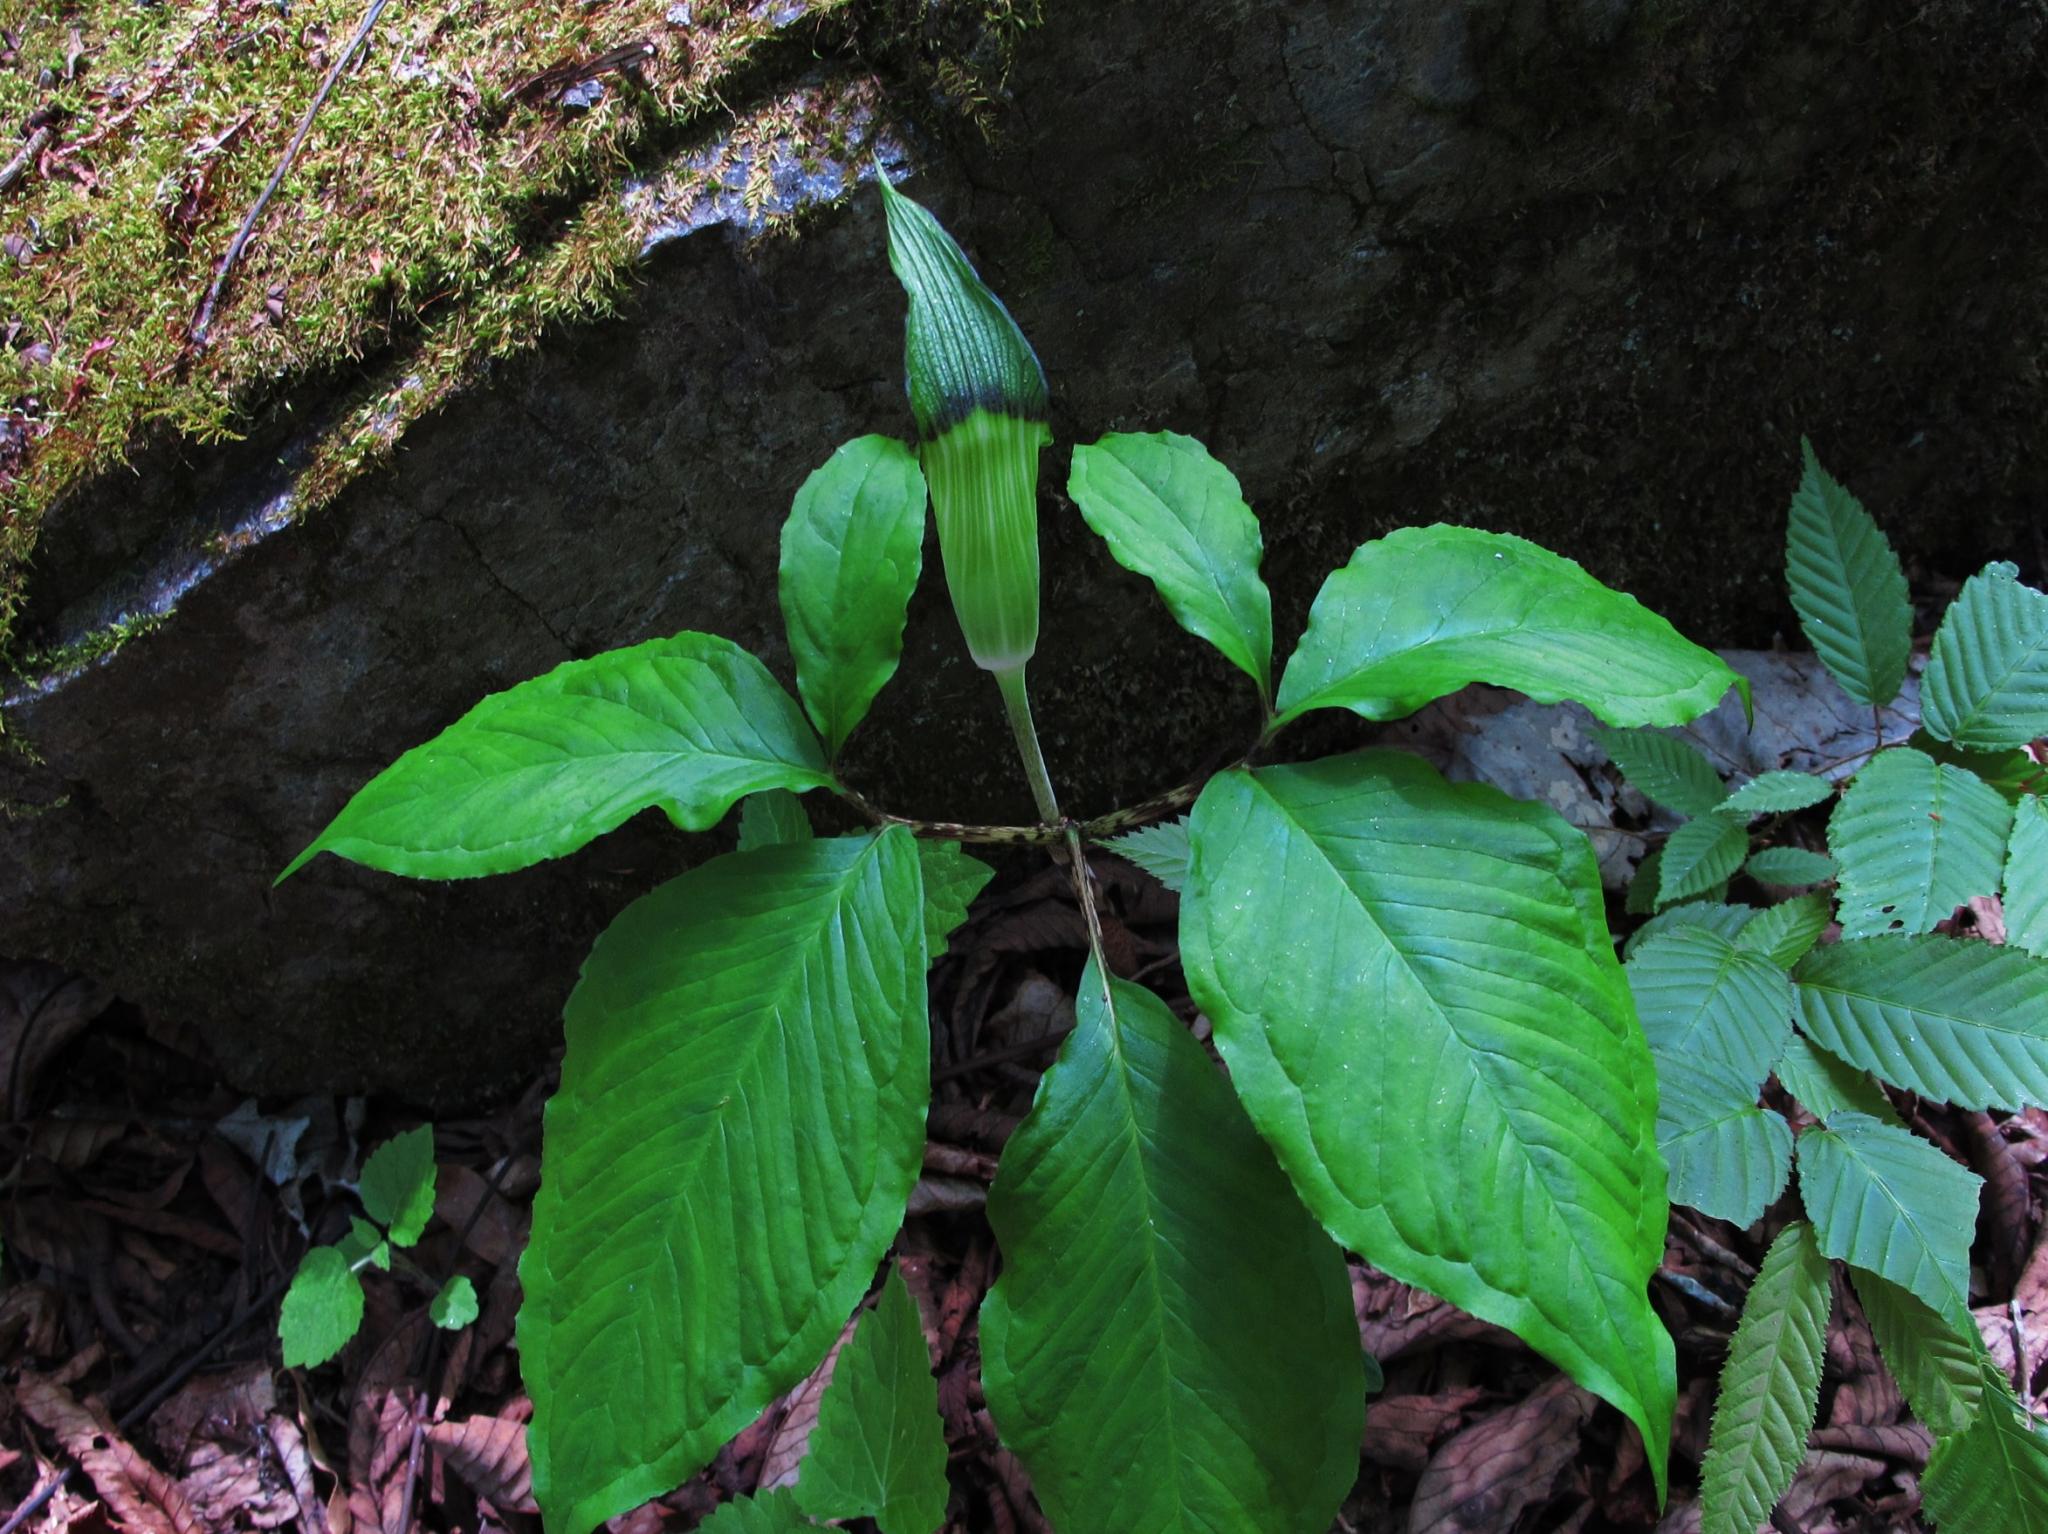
1171 1346
322 1309
1664 768
852 549
1173 514
1915 839
1440 1047
1936 1366
455 1305
1425 610
1964 1022
1994 1474
951 881
1699 855
1701 998
1826 1086
689 724
1987 679
2026 878
1884 1199
879 1448
1785 933
1728 920
1770 1387
1847 587
1789 867
771 818
397 1185
1727 1157
740 1121
1772 793
772 1512
1161 850
364 1243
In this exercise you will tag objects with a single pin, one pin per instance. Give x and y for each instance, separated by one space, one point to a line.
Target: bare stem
1017 700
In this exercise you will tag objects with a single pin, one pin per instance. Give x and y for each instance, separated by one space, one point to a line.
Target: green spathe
979 398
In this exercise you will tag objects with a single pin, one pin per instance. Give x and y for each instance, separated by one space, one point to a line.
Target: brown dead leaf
2006 1222
1400 1431
792 1435
297 1464
498 1233
1907 1443
1828 1476
379 1443
213 1406
1486 1476
490 1454
73 1143
227 1484
1867 1393
1394 1319
31 1322
137 1493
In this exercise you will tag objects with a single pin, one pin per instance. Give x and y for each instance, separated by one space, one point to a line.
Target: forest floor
152 1217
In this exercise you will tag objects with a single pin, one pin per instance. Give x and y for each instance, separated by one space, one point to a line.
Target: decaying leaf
135 1491
1483 1479
490 1454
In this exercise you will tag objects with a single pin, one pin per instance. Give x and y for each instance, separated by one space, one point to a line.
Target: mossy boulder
1582 272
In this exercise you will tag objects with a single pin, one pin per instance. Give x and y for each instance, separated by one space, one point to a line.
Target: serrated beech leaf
1935 1363
1439 1045
1987 677
740 1121
1770 1387
1701 997
1665 768
1728 1158
1914 839
1847 587
1882 1198
1171 1346
689 724
1424 611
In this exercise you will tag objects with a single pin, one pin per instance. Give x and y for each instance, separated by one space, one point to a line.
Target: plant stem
1018 702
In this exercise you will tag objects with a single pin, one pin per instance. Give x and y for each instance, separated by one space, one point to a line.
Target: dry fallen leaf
490 1454
1486 1476
135 1491
1400 1431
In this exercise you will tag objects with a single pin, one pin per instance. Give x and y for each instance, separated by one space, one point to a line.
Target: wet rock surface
1579 271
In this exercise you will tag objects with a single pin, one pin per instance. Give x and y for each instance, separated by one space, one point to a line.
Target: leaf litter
151 1229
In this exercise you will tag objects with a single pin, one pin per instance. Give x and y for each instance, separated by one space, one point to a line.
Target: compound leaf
322 1309
1664 768
1884 1199
1826 1085
1987 679
1964 1022
1173 514
1171 1346
1770 1387
1785 933
1994 1474
1702 998
397 1185
1161 850
689 724
852 550
1772 793
1699 855
2026 878
1426 610
1847 587
951 881
772 817
1413 985
1789 867
1728 1158
1935 1365
740 1121
879 1448
1915 839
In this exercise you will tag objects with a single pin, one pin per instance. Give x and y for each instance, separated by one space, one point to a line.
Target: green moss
425 211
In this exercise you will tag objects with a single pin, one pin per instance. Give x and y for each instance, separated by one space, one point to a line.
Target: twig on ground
31 152
204 322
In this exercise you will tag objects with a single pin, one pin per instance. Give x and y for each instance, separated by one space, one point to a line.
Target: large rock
1580 269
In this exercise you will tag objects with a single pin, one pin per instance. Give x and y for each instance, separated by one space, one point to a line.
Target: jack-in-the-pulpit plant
1434 1054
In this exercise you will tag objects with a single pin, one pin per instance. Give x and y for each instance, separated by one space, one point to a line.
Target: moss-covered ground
434 200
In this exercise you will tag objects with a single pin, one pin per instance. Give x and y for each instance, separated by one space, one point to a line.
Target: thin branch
204 323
